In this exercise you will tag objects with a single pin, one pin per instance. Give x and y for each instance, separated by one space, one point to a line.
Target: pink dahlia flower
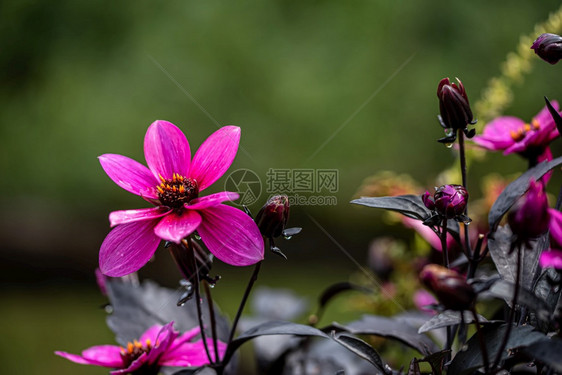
172 182
513 135
158 346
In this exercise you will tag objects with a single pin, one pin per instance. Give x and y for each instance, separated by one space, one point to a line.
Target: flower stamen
177 191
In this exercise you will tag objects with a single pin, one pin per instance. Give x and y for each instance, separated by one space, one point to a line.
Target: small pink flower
158 346
513 135
172 182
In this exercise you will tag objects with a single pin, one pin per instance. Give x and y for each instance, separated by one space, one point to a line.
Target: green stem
444 243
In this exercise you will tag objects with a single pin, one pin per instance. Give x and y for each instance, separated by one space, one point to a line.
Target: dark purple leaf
504 289
395 329
465 362
437 361
273 328
135 308
555 115
548 352
363 350
516 189
506 261
408 205
449 318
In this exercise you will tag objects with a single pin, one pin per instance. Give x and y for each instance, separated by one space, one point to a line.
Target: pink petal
137 364
130 216
166 150
192 354
545 118
215 156
175 227
185 337
551 258
129 174
231 235
212 200
102 355
151 334
163 341
128 247
555 227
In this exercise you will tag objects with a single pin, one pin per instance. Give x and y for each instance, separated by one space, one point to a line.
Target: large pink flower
158 346
513 135
172 182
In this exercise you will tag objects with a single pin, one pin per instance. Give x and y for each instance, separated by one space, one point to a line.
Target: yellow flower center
177 191
519 134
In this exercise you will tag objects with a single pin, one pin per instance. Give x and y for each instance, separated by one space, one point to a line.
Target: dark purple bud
427 199
450 200
530 217
450 287
453 105
548 47
273 216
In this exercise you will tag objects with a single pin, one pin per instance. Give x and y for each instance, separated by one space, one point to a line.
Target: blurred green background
313 84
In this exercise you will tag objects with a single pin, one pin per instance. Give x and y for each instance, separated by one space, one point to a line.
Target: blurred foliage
313 84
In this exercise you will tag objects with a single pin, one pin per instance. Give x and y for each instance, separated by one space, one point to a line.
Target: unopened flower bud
548 47
450 287
449 200
530 217
453 105
273 216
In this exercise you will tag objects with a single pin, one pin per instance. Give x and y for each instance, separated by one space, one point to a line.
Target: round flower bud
273 216
453 105
548 47
450 288
530 217
449 200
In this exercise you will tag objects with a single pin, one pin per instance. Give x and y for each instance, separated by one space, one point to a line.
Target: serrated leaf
548 352
408 205
465 362
449 318
506 262
273 328
363 350
516 189
395 329
504 289
135 308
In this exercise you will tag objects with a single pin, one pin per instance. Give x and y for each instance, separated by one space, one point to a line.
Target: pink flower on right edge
553 256
158 346
513 135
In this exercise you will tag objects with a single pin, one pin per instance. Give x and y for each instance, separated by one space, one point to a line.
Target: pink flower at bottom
158 346
172 182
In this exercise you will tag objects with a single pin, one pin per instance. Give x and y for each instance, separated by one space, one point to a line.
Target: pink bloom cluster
172 182
158 346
